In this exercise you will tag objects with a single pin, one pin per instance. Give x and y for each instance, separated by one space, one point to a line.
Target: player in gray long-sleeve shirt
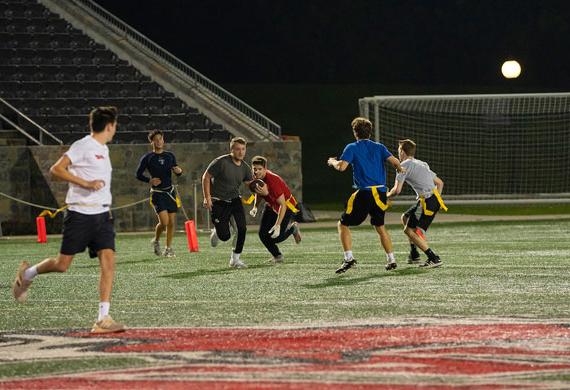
428 188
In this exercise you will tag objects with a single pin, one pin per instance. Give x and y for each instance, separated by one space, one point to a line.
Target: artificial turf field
497 313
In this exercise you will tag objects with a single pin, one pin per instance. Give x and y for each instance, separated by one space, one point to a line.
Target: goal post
487 148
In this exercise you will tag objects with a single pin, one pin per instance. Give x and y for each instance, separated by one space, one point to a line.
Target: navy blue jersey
158 165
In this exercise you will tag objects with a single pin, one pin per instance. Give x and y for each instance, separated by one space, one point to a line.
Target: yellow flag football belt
427 212
52 214
248 200
288 202
375 195
176 199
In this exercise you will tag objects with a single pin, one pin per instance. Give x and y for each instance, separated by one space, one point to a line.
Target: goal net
485 147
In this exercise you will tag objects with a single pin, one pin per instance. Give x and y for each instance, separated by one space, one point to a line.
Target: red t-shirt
276 187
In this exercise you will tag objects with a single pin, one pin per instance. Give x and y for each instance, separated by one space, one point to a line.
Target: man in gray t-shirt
428 188
220 185
418 176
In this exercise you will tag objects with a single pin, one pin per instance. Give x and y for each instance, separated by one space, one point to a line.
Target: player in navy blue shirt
369 176
160 164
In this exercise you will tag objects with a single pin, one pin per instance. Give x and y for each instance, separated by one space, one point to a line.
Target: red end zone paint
77 383
398 357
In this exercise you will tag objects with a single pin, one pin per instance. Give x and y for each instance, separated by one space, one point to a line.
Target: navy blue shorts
162 201
81 231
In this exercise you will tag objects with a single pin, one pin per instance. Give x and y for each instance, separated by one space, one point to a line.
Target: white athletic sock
348 255
235 256
103 310
31 273
390 257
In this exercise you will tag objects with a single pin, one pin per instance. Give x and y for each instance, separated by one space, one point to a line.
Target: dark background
306 63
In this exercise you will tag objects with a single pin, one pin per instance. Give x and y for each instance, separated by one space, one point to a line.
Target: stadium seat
58 75
219 135
182 136
195 121
9 88
201 135
7 42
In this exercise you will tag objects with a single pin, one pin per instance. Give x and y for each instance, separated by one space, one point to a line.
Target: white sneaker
156 247
168 252
107 325
21 285
214 239
296 232
237 263
277 260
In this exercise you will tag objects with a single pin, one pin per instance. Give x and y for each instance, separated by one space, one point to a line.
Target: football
254 183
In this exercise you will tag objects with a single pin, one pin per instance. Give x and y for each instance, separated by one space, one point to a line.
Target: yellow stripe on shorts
429 213
377 199
350 202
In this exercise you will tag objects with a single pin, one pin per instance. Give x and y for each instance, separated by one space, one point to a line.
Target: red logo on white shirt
99 157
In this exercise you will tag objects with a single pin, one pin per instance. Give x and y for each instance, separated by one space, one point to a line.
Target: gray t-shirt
419 177
227 177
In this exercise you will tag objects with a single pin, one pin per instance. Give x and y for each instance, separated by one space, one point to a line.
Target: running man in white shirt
428 188
88 222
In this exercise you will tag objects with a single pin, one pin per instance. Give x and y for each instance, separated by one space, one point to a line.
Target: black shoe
432 263
391 266
346 265
414 258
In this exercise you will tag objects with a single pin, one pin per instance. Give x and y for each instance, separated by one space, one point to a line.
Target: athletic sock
31 273
348 255
414 250
430 254
235 256
390 257
103 310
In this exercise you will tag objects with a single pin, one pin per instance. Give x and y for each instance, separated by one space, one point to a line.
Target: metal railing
221 96
31 125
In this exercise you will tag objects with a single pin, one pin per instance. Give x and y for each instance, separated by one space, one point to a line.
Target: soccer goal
487 148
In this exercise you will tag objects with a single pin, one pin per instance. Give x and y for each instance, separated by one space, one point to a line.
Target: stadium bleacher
55 74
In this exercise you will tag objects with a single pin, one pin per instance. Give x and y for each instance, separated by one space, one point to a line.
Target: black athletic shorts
417 217
81 231
162 201
364 205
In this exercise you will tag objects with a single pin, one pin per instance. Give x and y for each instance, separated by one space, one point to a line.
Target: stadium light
511 69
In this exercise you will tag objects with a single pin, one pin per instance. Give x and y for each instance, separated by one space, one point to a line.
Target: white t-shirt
89 161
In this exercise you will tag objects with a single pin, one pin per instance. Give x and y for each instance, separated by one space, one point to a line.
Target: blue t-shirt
367 158
158 165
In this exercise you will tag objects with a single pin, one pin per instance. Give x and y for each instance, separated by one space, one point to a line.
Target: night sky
305 64
425 42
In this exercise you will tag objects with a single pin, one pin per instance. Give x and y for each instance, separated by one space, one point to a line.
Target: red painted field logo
504 355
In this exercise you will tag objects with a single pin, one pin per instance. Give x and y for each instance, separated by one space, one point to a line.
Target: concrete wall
24 174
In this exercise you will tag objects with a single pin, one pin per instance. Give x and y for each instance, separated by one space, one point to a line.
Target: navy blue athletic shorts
81 231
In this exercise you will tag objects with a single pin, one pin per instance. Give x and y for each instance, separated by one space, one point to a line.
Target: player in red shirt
279 209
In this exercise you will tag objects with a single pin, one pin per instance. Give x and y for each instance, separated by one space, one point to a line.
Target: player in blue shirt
369 175
160 164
